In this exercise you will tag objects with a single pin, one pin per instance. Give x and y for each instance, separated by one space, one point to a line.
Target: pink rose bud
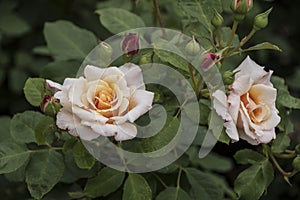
50 105
209 60
240 8
130 44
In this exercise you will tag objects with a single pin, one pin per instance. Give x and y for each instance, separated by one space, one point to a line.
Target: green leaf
246 156
252 182
43 172
201 10
83 158
203 185
17 175
34 90
12 156
57 71
209 162
4 131
172 193
12 24
66 41
264 45
120 20
163 138
45 130
107 181
136 187
283 95
22 126
281 142
225 34
171 56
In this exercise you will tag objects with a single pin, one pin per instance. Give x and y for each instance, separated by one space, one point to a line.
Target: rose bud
193 47
240 8
209 60
297 149
296 163
130 44
228 77
261 20
50 105
105 52
217 20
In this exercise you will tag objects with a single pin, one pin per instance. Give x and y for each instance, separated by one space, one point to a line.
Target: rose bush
249 110
102 102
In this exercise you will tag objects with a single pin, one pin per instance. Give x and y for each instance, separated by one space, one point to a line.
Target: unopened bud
130 44
105 52
50 105
193 48
261 20
228 77
296 163
146 58
240 8
209 60
217 19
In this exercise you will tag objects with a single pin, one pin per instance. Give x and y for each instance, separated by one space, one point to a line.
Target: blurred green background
21 36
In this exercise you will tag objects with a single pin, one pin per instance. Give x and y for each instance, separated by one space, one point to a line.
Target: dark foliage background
18 60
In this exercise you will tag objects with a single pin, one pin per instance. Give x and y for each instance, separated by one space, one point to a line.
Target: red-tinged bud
50 105
130 44
209 60
240 8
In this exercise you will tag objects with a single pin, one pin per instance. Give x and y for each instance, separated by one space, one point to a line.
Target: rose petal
242 84
133 75
140 102
231 130
220 104
272 121
244 136
267 136
66 121
76 91
103 129
234 102
93 73
54 85
266 79
89 115
250 68
85 132
260 93
126 131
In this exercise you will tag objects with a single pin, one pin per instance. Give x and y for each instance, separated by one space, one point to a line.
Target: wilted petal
133 75
65 120
250 68
220 104
140 102
126 131
231 130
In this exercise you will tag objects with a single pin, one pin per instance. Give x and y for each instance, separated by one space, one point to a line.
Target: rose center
104 98
257 111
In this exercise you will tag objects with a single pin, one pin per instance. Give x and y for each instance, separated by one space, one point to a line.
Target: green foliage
173 193
83 158
43 172
34 91
120 21
107 181
64 40
281 143
12 156
252 182
202 185
136 187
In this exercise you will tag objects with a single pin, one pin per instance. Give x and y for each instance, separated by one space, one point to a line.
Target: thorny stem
157 11
246 39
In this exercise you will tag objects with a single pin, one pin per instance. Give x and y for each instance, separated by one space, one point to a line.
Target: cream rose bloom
104 102
249 110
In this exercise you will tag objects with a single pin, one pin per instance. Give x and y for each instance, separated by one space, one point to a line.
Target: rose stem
219 38
160 180
233 30
157 11
246 39
191 71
